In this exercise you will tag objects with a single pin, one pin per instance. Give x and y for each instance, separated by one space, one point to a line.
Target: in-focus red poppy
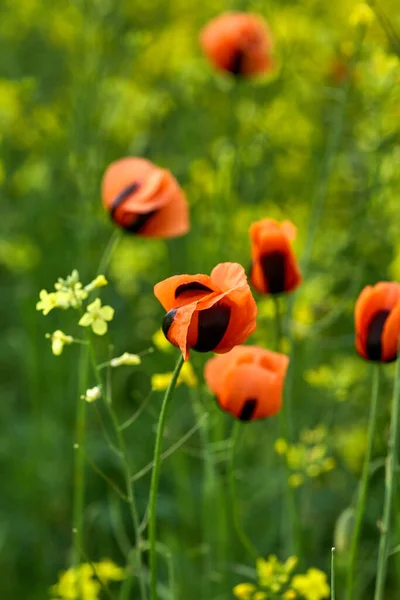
377 322
274 268
208 312
144 199
248 381
238 42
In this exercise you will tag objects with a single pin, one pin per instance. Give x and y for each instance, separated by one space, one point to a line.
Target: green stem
235 512
155 476
108 252
285 418
333 594
126 471
278 322
362 496
79 462
391 465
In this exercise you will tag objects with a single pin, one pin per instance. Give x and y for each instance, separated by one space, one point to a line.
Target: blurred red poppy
206 313
237 42
248 381
144 199
377 322
274 267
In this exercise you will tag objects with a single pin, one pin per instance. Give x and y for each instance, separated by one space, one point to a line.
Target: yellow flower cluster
160 381
70 293
309 457
275 580
86 581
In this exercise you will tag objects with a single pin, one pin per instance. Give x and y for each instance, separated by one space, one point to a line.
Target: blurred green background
83 83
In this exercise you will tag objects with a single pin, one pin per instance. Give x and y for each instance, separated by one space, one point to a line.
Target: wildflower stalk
79 460
126 470
333 583
235 512
109 251
391 466
363 489
285 418
155 477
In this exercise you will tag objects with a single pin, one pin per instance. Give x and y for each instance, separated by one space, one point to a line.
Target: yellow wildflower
51 300
313 585
58 340
289 595
160 381
107 570
97 316
161 342
362 15
281 446
126 359
244 591
296 480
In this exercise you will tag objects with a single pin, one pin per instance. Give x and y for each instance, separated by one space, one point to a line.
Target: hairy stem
362 495
391 466
155 477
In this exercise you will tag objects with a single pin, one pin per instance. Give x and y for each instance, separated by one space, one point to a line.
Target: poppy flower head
274 268
208 312
239 43
377 322
248 381
144 199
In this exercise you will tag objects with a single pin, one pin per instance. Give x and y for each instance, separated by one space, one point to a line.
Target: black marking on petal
130 189
139 222
191 287
248 409
236 66
273 267
374 335
213 323
167 321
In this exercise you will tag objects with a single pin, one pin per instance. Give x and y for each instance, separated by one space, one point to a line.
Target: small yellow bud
126 359
281 446
58 340
92 394
98 282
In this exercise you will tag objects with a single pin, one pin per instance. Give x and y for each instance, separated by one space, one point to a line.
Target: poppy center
236 65
139 220
374 335
248 409
273 267
212 325
192 286
167 321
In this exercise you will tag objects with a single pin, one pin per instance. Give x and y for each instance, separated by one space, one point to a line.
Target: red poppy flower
206 313
238 42
248 381
377 322
274 267
144 199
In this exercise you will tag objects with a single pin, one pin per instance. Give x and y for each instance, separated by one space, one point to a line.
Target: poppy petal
165 291
373 300
390 335
251 392
227 276
178 326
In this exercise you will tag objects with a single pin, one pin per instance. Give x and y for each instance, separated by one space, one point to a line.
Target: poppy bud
274 267
377 322
248 381
208 313
144 199
239 43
